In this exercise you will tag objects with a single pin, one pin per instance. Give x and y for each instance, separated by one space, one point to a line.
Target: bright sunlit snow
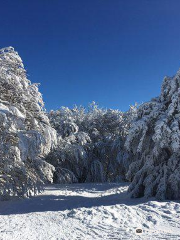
88 211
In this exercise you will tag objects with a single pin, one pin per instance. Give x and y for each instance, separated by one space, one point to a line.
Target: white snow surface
88 211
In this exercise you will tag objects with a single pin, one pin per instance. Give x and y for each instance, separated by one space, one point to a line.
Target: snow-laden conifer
153 144
25 133
90 144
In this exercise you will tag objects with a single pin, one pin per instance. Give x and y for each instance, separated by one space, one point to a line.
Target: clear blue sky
115 52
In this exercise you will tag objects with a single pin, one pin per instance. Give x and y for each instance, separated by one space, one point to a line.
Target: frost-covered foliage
154 145
25 133
90 144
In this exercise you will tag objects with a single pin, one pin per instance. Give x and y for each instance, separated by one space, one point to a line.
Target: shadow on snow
51 202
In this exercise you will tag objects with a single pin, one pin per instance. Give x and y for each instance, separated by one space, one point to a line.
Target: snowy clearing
88 211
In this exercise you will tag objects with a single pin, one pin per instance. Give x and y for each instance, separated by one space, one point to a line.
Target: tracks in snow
88 211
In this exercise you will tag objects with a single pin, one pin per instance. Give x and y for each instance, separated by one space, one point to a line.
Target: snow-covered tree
153 144
25 133
90 143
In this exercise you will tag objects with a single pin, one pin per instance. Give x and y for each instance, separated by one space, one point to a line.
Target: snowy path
88 211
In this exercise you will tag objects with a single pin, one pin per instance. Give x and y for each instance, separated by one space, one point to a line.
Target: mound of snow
88 211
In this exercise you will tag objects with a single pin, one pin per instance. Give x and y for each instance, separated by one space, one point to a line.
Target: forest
84 145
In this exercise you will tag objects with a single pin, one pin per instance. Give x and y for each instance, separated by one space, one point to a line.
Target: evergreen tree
90 144
25 133
153 144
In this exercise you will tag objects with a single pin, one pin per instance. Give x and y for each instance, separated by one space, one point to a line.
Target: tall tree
25 133
153 144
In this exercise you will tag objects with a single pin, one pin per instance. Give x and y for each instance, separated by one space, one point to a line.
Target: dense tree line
90 144
141 145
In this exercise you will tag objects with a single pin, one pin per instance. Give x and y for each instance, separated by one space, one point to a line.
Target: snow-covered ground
88 211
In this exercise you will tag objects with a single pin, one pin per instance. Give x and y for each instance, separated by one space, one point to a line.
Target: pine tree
153 144
25 133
